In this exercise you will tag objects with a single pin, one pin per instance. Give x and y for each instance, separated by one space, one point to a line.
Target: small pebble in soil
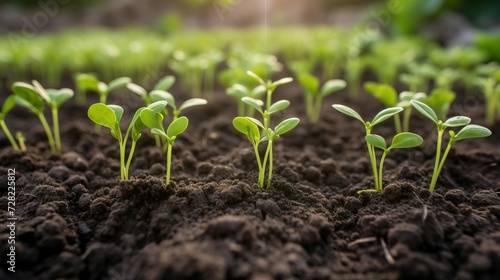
75 161
485 198
60 173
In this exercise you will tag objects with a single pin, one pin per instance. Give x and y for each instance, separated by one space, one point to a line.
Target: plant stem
123 176
257 156
241 108
55 125
435 173
490 110
443 158
406 119
169 162
309 105
397 123
46 127
270 174
317 110
9 136
129 159
380 167
157 141
373 160
21 139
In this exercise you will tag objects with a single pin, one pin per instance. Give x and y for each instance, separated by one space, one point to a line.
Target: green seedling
154 121
252 127
163 85
87 82
314 95
110 116
22 140
440 101
33 98
380 117
238 91
491 89
468 131
9 103
402 140
446 78
419 76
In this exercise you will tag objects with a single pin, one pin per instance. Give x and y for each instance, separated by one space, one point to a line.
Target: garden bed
77 221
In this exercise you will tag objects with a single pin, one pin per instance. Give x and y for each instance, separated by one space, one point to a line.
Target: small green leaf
192 102
472 131
440 101
8 104
86 82
256 77
406 95
348 111
457 121
177 127
151 119
332 86
254 103
256 121
278 106
165 83
385 114
157 95
27 97
283 81
118 111
376 141
59 97
159 132
406 140
248 128
237 91
383 92
102 89
309 82
102 115
137 89
285 126
257 92
118 83
158 106
41 91
137 122
425 110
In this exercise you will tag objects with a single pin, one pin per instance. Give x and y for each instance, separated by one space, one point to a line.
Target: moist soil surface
76 220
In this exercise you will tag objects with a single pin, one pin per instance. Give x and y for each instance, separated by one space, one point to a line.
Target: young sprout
313 94
251 127
153 120
21 139
110 116
380 117
33 98
468 131
491 91
87 82
404 101
9 103
164 84
238 91
440 101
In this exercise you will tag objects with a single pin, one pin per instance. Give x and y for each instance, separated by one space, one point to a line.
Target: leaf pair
380 117
400 141
153 120
311 84
250 127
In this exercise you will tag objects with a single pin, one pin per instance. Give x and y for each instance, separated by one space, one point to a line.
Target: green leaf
376 141
192 102
285 126
278 106
257 92
118 111
59 97
385 114
86 82
256 77
159 132
158 106
248 128
425 110
137 89
440 101
151 119
283 81
406 140
348 111
237 91
332 86
177 127
118 83
254 103
457 121
27 97
41 91
8 104
102 115
165 83
309 82
157 95
256 121
383 92
472 131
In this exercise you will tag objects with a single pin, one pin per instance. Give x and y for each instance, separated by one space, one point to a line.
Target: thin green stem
46 127
309 105
380 168
129 159
57 135
123 176
157 141
257 157
490 110
373 160
169 162
435 173
241 108
317 110
443 158
406 119
21 139
397 123
9 136
270 172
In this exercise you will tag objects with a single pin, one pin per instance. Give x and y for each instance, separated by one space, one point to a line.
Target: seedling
9 103
400 141
238 91
153 120
440 101
314 95
251 127
33 97
164 84
491 90
87 82
380 117
468 131
110 116
21 139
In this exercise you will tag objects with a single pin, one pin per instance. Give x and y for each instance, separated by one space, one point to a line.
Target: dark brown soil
77 221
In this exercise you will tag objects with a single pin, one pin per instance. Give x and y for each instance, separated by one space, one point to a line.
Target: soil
76 220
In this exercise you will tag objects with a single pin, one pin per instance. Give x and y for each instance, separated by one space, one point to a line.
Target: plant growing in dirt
490 86
8 104
468 131
110 116
34 97
440 101
154 120
163 85
314 95
380 117
402 140
88 82
252 127
238 91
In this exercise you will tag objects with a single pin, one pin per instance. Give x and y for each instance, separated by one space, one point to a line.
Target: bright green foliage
238 91
380 117
402 140
88 82
419 76
8 104
163 85
490 86
258 132
440 101
34 97
314 95
468 131
110 116
154 120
